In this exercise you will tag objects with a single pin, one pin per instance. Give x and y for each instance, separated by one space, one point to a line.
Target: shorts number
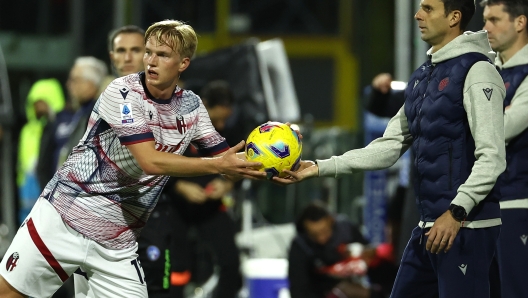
137 264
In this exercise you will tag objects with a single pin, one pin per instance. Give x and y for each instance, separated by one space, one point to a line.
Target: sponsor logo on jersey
12 261
153 253
126 113
167 148
124 92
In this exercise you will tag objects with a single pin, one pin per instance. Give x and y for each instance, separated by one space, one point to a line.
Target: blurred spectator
85 79
384 101
329 258
193 205
126 46
44 100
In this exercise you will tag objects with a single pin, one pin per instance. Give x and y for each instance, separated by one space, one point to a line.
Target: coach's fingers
450 242
431 234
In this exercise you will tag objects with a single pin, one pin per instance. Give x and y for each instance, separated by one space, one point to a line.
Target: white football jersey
101 191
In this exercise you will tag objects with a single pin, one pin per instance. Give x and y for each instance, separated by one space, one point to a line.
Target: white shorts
46 251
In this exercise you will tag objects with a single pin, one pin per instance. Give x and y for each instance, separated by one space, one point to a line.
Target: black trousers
172 243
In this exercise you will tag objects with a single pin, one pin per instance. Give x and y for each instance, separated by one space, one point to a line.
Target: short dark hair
125 29
217 93
514 8
466 7
315 211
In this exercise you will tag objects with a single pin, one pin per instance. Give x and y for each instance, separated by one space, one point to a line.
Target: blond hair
174 34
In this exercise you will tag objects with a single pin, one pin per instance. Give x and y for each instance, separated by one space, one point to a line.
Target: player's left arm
516 114
484 94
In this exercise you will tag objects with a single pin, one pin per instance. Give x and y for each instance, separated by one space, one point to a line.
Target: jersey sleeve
123 110
206 139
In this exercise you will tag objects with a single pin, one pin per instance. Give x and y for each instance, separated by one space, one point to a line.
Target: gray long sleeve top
486 122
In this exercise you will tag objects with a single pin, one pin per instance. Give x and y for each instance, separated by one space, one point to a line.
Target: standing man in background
126 47
506 23
453 118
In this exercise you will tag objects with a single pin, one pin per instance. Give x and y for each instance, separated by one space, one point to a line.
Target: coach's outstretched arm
154 162
381 153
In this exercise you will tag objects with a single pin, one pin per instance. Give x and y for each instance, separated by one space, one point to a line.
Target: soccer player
90 214
505 21
453 119
126 47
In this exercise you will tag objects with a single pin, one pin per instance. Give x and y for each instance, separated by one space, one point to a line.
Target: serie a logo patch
126 113
12 261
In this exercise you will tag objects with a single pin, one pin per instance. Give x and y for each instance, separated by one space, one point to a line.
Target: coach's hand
442 235
307 169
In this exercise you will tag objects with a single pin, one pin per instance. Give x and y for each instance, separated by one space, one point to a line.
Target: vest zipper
418 147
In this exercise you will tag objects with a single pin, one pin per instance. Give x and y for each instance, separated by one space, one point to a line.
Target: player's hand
307 169
382 82
235 168
191 191
442 235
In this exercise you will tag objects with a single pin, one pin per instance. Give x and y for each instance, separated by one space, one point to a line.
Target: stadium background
334 47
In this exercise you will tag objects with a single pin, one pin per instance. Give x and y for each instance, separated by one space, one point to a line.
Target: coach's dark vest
514 181
443 144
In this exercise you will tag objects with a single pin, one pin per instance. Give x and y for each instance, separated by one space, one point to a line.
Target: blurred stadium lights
398 85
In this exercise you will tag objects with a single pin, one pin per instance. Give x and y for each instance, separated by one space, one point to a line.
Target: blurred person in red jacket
330 258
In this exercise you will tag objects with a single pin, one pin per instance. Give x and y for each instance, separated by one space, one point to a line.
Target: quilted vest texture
514 181
443 144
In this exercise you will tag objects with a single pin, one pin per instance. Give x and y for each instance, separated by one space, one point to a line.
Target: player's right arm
381 153
154 162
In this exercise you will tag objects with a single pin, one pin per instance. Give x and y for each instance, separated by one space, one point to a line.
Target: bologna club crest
12 261
443 84
180 124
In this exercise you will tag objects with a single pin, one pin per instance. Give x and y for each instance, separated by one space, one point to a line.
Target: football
276 146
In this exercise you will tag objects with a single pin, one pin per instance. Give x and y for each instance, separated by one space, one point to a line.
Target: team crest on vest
507 85
443 84
180 124
12 261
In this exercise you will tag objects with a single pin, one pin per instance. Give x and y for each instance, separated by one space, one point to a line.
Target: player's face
127 56
501 30
319 231
432 22
162 65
